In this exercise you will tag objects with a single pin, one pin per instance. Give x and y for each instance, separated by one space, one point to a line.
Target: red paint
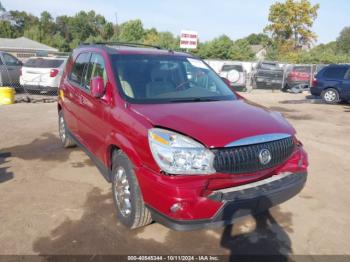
106 122
296 76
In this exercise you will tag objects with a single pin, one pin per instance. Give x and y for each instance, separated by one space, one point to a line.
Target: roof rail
122 44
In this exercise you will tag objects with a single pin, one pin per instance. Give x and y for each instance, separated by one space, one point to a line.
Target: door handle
82 100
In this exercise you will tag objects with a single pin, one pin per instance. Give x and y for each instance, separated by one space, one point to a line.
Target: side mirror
97 86
227 82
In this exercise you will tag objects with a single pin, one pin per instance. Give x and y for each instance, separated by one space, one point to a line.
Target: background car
235 74
268 75
297 76
42 74
10 70
332 83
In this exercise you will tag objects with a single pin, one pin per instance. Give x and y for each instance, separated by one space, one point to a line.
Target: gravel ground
54 201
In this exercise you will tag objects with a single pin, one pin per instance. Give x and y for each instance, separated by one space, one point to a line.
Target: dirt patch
282 109
98 232
302 101
86 162
299 117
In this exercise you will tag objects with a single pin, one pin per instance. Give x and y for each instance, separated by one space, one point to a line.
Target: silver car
10 70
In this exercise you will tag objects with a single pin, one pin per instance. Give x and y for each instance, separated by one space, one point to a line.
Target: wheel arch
117 142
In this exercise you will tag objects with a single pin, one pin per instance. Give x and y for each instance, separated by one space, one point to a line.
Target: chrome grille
245 159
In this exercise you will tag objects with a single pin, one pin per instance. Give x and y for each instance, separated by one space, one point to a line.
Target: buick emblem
265 156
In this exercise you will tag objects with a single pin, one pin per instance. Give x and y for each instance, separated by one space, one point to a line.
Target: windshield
168 79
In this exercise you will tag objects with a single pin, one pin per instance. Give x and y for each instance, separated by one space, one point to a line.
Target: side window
96 68
335 72
1 63
10 60
77 73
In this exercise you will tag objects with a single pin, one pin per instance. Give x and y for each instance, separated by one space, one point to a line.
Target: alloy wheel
122 192
62 129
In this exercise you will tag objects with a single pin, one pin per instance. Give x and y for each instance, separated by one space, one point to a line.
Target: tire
330 96
130 207
65 138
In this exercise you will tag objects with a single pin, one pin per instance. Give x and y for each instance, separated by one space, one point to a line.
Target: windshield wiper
194 99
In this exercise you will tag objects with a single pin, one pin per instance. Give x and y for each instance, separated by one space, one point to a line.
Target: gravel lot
54 201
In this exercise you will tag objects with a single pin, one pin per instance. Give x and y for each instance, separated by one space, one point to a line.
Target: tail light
314 82
53 72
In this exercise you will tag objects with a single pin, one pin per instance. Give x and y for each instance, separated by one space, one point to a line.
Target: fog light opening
176 207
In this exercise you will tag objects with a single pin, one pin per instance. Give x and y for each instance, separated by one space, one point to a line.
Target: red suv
177 145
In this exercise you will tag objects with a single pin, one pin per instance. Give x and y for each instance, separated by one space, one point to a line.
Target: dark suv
178 146
332 83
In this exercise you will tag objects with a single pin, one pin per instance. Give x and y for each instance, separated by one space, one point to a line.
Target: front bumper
240 201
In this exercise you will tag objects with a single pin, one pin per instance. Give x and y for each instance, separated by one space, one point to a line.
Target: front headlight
178 154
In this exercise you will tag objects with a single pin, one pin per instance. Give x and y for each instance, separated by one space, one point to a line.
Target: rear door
70 86
93 127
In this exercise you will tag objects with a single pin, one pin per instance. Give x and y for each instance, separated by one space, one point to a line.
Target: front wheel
130 207
330 96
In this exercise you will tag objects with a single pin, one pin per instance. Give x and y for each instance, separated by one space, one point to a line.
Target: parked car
268 75
42 74
178 146
10 69
332 83
235 74
298 76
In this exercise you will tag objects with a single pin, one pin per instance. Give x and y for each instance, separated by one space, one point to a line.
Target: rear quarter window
335 72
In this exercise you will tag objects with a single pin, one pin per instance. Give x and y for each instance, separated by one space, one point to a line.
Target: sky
211 18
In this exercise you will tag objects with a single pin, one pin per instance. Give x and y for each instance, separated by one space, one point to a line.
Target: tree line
288 36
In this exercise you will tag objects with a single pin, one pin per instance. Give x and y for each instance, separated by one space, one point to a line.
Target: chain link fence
274 76
34 80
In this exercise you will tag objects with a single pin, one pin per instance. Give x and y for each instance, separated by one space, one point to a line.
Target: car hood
215 124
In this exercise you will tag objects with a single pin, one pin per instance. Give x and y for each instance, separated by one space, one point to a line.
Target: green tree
167 40
33 33
343 41
6 30
241 51
258 39
218 48
131 31
22 22
292 20
108 31
47 28
151 37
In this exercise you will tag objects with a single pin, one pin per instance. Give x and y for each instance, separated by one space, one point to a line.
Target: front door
93 127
